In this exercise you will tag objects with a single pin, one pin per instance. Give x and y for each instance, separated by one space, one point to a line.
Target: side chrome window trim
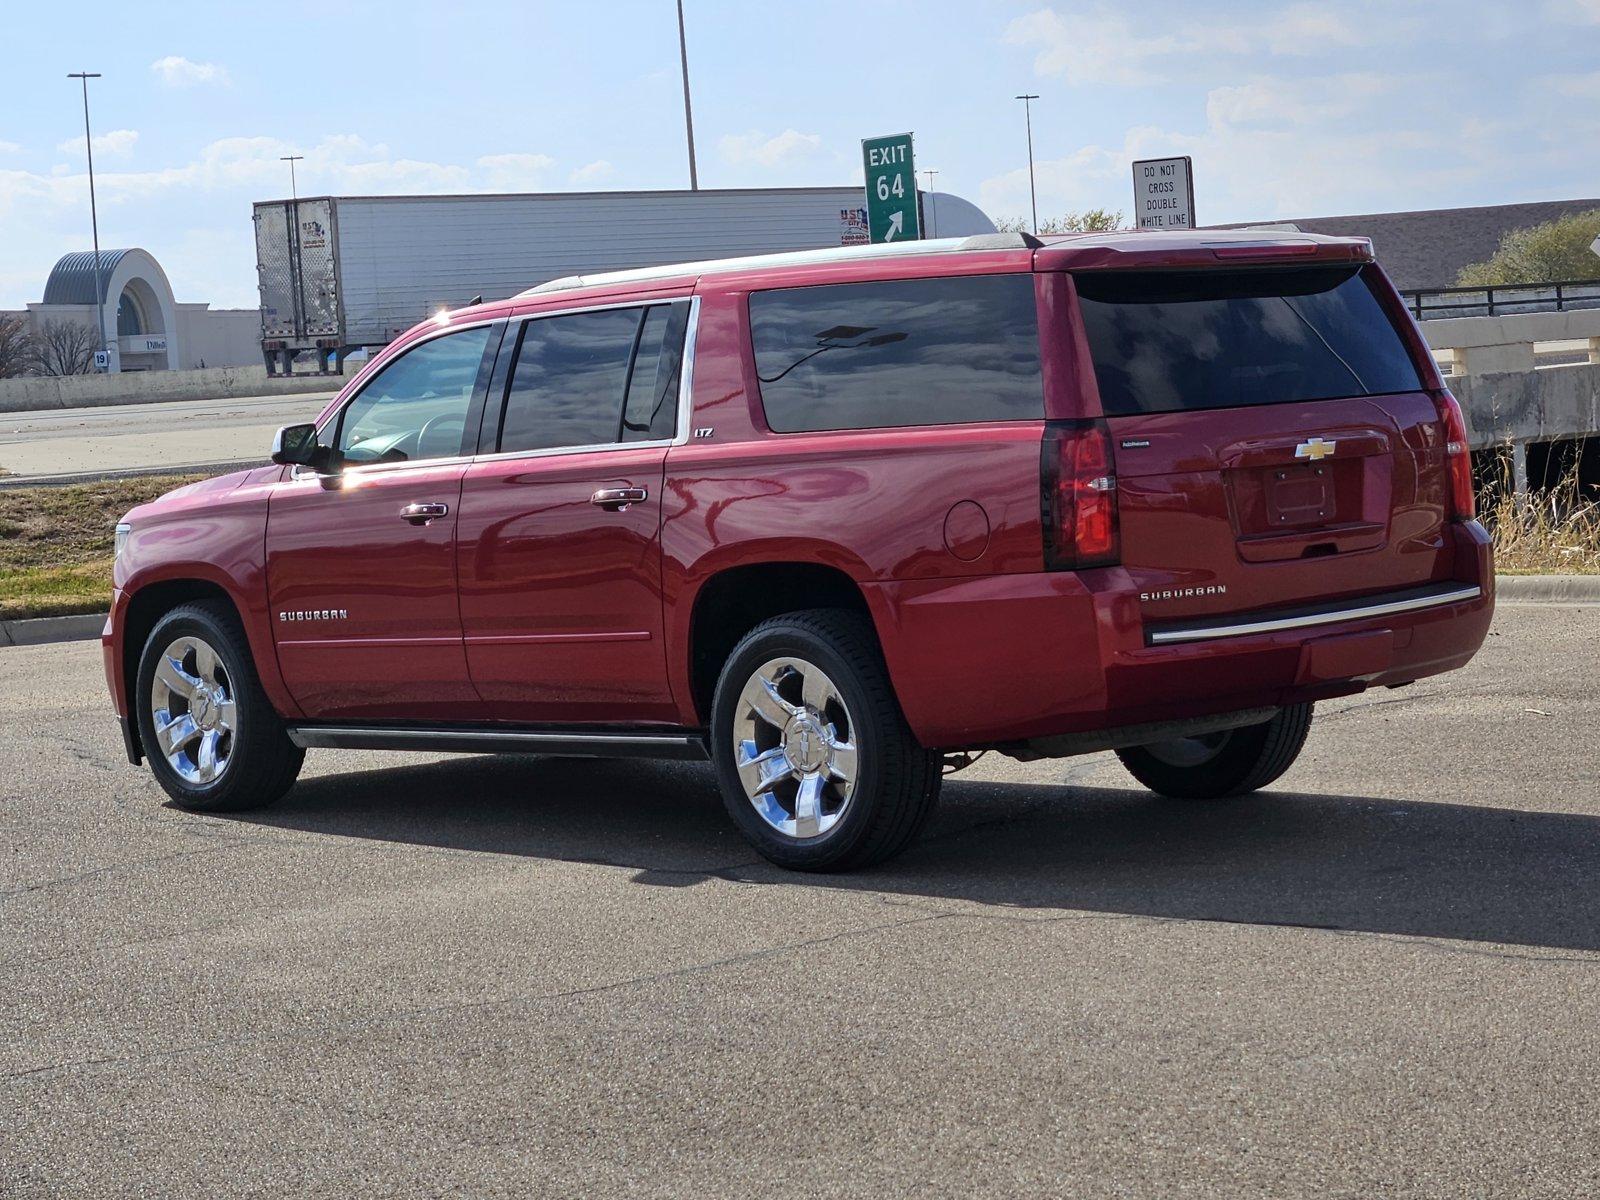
685 382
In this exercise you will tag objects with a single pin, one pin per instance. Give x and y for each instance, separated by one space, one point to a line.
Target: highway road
66 442
521 977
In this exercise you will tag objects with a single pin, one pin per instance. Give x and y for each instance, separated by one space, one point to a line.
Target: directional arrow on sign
897 225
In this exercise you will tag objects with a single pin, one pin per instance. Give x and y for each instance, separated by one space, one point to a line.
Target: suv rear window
1168 341
901 352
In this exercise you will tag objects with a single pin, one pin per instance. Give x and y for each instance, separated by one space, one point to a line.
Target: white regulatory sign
1163 193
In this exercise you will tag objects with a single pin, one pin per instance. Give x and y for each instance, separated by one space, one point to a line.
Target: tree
64 348
17 351
1549 253
1095 220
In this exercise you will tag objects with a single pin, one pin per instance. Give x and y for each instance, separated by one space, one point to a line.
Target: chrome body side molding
479 740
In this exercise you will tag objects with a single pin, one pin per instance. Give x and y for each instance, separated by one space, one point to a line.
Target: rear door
1273 442
559 542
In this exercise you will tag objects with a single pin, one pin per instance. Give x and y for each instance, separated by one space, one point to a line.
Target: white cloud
1583 12
1104 46
1578 87
1275 102
1278 147
177 71
515 172
9 147
592 173
118 143
757 149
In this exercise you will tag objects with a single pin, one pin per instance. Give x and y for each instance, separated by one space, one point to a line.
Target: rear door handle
419 513
618 499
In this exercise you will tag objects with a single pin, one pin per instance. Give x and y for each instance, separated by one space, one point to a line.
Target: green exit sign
891 189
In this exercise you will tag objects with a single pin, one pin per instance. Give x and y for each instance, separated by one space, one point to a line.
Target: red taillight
1458 457
1079 496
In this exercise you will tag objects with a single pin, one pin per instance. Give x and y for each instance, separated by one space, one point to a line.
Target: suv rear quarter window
900 352
1171 341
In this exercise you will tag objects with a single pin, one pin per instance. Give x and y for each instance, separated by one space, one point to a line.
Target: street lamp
291 159
933 204
688 114
94 218
1027 108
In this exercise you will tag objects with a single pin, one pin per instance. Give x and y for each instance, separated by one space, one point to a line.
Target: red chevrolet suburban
829 519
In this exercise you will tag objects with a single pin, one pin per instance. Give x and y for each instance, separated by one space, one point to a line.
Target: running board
499 741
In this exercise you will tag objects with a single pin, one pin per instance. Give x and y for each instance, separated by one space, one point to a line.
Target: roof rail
796 258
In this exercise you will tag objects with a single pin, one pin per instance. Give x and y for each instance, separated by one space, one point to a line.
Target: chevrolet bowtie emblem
1314 448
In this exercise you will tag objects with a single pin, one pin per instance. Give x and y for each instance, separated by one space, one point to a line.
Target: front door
559 543
361 566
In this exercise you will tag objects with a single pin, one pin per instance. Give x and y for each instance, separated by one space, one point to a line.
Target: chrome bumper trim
1360 612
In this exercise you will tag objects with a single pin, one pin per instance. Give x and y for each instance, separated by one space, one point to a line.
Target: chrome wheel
1189 751
794 748
193 710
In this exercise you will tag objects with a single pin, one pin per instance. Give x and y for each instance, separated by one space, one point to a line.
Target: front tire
213 740
814 759
1229 763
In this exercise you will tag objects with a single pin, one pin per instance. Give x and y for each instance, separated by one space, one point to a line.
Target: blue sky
1289 108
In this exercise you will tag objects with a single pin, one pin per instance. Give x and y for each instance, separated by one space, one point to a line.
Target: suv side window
595 379
899 352
416 407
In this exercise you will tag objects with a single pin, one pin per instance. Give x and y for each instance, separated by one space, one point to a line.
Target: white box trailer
341 272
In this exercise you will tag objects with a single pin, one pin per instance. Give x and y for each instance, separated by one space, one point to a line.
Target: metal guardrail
1506 300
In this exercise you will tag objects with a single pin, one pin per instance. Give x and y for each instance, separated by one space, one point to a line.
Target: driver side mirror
297 445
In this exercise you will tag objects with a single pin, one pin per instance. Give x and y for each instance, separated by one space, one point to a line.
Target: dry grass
56 542
1554 531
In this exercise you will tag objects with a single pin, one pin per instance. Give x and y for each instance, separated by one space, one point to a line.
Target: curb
1512 589
39 631
1547 589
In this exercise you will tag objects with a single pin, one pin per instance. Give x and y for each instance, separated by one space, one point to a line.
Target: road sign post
892 213
1163 193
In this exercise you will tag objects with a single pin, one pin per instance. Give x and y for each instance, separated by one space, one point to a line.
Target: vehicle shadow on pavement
1280 858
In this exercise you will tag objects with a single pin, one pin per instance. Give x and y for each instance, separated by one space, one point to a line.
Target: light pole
688 113
291 159
1033 197
94 218
933 205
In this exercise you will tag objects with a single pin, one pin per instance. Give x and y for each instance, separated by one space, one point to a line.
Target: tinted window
416 407
651 412
1168 341
907 352
571 383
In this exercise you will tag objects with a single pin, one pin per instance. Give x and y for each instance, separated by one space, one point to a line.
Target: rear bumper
1008 658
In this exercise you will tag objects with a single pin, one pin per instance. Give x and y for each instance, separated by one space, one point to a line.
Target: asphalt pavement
66 442
521 977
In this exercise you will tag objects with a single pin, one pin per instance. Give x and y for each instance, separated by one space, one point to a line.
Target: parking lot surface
522 977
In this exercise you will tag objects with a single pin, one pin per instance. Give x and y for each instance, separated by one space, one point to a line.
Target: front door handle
419 513
618 499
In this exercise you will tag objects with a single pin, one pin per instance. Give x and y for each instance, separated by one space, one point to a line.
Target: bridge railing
1503 300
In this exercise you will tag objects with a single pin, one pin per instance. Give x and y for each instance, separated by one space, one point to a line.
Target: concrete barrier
41 393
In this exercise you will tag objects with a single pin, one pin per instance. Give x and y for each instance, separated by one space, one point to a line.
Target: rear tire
214 742
1222 764
815 761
